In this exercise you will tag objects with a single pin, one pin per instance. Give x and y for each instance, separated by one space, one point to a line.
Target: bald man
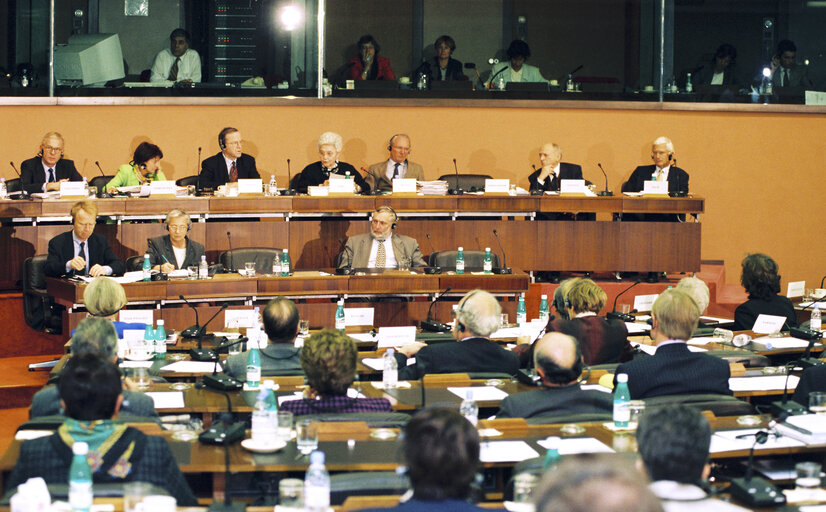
559 363
553 169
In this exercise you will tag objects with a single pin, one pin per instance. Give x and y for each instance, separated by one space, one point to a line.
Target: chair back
100 182
474 260
467 182
134 263
570 418
187 181
367 483
720 405
14 185
262 256
36 301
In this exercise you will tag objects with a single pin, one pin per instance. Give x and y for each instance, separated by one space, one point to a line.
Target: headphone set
390 210
460 326
222 137
178 212
40 153
390 144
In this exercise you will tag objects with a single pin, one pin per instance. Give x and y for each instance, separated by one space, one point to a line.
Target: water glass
285 425
291 493
523 487
807 475
306 432
134 494
250 268
192 272
303 327
503 321
636 408
140 376
725 334
741 340
404 264
817 402
625 309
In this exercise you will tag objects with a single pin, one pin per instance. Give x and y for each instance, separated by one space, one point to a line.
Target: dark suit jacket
414 505
453 71
798 77
566 172
674 370
214 170
602 341
468 355
162 245
61 250
746 313
313 175
32 176
46 402
556 401
813 379
276 359
677 179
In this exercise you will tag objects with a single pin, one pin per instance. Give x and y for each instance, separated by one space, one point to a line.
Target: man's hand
167 267
97 270
55 185
411 349
77 263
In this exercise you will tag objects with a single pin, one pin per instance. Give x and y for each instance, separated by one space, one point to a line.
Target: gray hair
177 213
698 290
480 312
104 297
332 139
97 336
664 140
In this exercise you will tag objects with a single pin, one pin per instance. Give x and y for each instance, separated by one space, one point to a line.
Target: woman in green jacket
144 168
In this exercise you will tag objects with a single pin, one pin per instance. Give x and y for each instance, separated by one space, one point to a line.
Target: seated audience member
328 358
722 70
441 449
178 63
81 251
559 364
786 72
515 69
370 250
698 290
48 169
368 65
477 316
97 337
673 369
380 176
175 251
90 391
231 164
591 483
553 170
673 443
762 282
329 167
812 379
560 309
144 168
280 356
104 298
443 67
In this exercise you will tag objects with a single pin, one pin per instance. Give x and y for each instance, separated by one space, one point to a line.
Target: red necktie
233 173
173 72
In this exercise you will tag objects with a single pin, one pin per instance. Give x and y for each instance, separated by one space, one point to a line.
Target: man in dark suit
553 170
664 168
477 316
231 164
81 251
673 369
559 363
785 70
44 172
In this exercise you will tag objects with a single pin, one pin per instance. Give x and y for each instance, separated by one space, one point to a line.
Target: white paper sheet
650 349
595 387
704 340
480 393
727 441
762 383
396 336
136 364
768 324
167 399
190 367
579 445
635 328
770 343
506 451
362 336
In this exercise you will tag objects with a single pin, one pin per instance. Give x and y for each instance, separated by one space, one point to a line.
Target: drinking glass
303 327
306 432
817 402
291 493
250 268
807 475
285 425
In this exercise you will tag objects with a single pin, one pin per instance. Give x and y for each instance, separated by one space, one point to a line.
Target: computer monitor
89 59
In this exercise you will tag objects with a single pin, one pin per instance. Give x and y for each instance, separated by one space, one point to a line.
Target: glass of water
250 268
817 402
306 432
285 425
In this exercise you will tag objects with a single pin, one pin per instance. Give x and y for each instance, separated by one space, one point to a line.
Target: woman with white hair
319 173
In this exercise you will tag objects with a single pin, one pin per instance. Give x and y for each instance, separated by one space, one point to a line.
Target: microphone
504 268
606 192
100 170
344 271
431 270
821 281
191 332
433 325
490 82
205 354
457 191
756 491
229 240
220 380
536 190
198 174
622 316
784 406
289 190
577 69
15 169
223 432
23 193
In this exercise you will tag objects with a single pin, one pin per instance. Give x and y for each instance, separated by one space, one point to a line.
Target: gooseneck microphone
15 169
504 269
205 354
192 331
433 325
428 269
100 169
229 254
490 82
536 190
23 193
756 491
289 190
606 192
220 380
457 190
622 316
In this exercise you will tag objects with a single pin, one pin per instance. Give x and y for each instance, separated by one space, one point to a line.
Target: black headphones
390 144
389 209
460 326
178 213
222 136
40 153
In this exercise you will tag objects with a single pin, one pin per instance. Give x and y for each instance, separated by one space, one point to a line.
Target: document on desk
190 367
480 393
736 440
167 399
506 451
705 340
377 363
635 328
129 277
762 383
578 445
770 343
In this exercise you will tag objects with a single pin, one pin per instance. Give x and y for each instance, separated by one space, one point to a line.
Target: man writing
231 164
48 169
179 63
380 176
381 247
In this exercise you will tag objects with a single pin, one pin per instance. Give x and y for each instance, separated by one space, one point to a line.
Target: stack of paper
433 188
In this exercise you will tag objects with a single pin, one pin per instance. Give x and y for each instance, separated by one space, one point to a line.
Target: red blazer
355 67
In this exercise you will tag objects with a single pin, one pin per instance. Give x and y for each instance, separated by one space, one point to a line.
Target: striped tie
381 256
173 72
233 173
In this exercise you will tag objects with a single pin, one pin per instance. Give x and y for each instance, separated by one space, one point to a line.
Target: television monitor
89 59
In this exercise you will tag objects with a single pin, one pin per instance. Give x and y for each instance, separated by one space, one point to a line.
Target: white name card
655 187
250 186
136 316
396 336
644 302
341 185
72 189
572 186
796 289
166 187
404 186
768 324
240 317
497 186
358 316
133 338
815 98
318 191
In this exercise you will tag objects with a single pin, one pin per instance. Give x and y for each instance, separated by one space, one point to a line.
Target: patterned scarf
101 436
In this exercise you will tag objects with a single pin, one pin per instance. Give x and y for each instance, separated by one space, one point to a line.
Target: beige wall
761 173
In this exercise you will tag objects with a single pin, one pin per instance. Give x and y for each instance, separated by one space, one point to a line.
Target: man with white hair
553 169
477 316
48 169
329 167
380 176
381 247
664 169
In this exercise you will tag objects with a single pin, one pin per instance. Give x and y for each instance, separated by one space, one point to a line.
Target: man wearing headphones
380 176
231 164
477 316
175 250
664 169
559 363
45 171
179 63
381 248
81 251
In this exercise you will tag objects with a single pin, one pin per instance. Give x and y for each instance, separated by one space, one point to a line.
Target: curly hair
760 277
329 361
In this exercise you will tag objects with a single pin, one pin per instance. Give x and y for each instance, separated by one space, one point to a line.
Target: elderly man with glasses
48 169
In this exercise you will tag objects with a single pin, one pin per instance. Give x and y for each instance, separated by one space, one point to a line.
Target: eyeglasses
178 228
51 149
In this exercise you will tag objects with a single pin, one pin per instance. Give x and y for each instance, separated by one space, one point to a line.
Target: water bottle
3 190
544 313
622 413
276 266
501 84
85 187
340 315
317 485
689 87
390 375
569 84
285 263
469 408
460 261
521 312
263 421
80 479
160 341
552 456
488 262
149 338
814 321
272 188
253 365
147 268
203 268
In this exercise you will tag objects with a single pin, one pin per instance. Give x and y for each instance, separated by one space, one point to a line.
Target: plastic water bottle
501 83
521 312
544 313
814 321
85 186
622 413
253 365
3 190
689 87
203 268
469 408
390 375
149 338
552 456
569 83
285 263
317 485
263 420
488 262
147 268
460 261
276 266
340 324
80 479
272 188
160 341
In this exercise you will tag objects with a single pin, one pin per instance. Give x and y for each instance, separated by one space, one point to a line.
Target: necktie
233 173
82 254
381 256
396 171
51 175
173 71
786 78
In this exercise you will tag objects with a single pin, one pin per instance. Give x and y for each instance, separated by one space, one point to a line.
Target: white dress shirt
189 68
391 169
390 256
663 173
554 174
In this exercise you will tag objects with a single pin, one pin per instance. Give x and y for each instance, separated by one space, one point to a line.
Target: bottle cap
469 394
544 297
160 322
460 248
390 351
622 377
487 249
80 448
285 251
552 443
269 384
317 457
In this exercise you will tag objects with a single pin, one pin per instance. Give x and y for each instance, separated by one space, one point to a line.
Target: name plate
497 186
572 186
396 336
340 185
318 191
768 324
166 187
240 317
136 316
72 189
358 316
655 187
250 186
796 289
644 302
404 185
